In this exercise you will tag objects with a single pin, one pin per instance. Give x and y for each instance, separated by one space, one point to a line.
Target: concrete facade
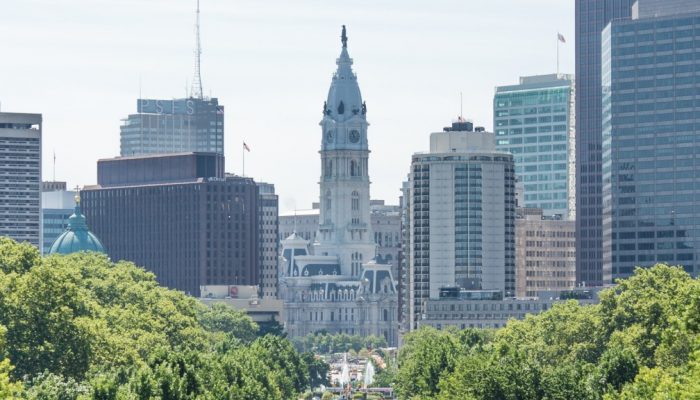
462 211
20 177
268 204
545 253
495 313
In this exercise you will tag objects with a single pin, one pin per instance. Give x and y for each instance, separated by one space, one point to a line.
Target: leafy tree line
324 343
641 342
82 327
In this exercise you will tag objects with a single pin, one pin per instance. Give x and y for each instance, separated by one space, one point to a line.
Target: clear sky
270 62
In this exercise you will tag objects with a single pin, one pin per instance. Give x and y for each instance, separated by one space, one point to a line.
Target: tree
221 318
318 370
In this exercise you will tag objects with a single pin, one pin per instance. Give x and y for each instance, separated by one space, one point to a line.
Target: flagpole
243 151
557 54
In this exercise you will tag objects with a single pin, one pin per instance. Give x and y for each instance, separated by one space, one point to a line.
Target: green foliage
318 370
48 386
17 257
324 343
8 389
81 327
641 342
221 318
429 355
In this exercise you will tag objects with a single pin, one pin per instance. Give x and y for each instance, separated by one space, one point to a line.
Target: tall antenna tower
197 91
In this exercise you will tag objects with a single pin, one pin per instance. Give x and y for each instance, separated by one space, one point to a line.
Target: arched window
355 201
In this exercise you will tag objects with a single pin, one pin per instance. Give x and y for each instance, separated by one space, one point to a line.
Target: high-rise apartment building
545 253
268 205
535 120
173 126
57 205
591 18
650 143
20 177
462 216
178 216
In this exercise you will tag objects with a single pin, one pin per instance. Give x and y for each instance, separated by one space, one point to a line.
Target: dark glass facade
651 114
591 17
204 231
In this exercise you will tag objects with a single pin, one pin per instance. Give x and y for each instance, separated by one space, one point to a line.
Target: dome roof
344 98
77 237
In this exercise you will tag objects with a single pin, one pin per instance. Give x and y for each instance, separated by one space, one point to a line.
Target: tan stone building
545 253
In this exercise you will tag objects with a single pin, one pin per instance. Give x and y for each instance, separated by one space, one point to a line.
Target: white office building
461 217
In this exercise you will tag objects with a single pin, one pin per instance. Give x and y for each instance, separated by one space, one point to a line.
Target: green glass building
534 120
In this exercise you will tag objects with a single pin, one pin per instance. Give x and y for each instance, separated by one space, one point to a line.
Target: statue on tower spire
344 38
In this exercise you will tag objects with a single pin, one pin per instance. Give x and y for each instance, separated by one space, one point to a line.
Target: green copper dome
77 237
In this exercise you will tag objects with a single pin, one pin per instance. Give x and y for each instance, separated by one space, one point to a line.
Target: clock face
354 136
329 136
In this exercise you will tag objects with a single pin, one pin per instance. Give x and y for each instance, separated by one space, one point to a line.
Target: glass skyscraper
174 126
651 114
534 120
591 18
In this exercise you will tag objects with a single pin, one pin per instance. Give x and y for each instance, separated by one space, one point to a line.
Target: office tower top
20 168
195 123
160 168
591 18
535 120
173 126
662 8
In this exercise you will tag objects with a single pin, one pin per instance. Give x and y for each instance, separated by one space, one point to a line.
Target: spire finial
344 37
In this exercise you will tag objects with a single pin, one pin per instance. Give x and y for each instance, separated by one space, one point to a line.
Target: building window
355 201
354 168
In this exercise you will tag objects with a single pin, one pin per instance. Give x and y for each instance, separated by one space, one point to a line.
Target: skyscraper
462 217
178 216
591 18
535 120
650 120
20 174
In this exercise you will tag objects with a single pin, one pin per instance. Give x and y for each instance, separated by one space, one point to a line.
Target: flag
561 37
245 146
220 110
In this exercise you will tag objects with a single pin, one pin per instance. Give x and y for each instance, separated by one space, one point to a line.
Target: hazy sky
270 62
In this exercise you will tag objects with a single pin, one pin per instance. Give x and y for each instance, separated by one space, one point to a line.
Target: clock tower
344 222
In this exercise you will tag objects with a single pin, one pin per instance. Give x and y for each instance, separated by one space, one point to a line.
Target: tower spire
197 91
